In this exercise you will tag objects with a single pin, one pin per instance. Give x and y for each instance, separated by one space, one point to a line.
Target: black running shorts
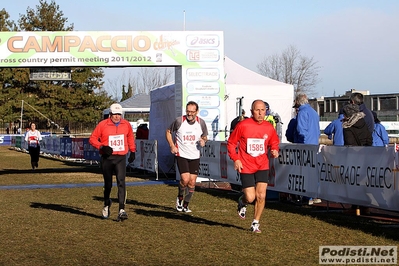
188 165
250 180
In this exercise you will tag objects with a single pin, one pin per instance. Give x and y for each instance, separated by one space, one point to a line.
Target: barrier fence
79 149
365 176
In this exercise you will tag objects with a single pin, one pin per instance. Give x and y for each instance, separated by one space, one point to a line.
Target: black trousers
114 164
34 153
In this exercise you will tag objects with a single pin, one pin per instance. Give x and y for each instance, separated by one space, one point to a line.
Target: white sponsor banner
365 176
296 169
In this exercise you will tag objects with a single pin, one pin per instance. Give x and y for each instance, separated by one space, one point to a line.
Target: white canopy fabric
239 82
242 82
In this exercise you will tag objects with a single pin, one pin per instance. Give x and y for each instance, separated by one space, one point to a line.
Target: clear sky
355 42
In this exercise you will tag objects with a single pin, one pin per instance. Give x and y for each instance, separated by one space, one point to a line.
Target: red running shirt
253 141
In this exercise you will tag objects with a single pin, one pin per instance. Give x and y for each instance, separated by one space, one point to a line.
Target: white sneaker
241 208
106 210
179 206
255 228
186 209
310 202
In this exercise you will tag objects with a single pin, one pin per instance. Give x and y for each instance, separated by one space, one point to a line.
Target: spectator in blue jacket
308 126
334 130
380 135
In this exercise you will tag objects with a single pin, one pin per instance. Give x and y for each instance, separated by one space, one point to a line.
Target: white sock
255 221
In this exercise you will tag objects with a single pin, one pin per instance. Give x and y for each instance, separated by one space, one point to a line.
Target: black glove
132 156
106 151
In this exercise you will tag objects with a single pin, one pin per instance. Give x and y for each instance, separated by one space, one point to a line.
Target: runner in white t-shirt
33 138
190 134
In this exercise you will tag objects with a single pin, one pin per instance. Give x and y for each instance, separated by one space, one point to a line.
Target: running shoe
179 206
255 228
122 215
186 209
241 208
106 210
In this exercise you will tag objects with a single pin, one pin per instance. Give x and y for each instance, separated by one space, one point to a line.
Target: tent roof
138 101
239 75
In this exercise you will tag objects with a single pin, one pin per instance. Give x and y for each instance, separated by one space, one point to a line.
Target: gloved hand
132 156
106 151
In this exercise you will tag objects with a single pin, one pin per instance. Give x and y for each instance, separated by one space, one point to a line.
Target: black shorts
188 165
250 180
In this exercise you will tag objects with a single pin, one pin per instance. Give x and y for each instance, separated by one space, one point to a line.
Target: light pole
22 112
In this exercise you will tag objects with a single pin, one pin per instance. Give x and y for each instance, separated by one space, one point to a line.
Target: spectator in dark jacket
235 121
355 128
356 133
291 134
357 98
142 131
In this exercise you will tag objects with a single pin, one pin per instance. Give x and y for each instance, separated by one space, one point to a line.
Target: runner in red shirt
114 138
248 147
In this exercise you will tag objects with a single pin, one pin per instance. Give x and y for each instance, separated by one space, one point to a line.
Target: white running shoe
106 210
186 209
241 208
255 228
179 206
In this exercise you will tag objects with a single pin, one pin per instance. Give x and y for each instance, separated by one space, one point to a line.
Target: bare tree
152 78
293 68
115 86
142 80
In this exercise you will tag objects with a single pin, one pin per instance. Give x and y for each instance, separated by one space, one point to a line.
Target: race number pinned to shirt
116 142
33 141
255 147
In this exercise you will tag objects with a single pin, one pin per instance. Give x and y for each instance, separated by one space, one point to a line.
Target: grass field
63 226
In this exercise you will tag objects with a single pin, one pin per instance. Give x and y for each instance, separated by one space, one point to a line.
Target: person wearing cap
114 138
235 121
190 134
380 135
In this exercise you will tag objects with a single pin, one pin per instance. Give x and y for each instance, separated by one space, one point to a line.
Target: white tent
240 82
